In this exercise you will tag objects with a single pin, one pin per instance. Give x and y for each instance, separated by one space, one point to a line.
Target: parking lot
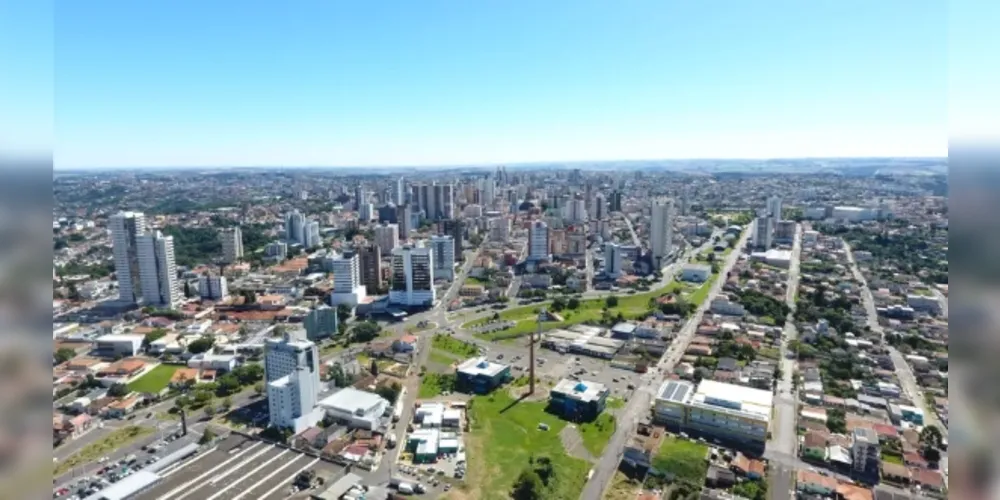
238 468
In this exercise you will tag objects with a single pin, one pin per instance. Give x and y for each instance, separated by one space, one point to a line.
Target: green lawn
596 434
504 436
891 458
156 380
682 458
454 346
434 384
94 451
469 280
698 296
615 403
442 358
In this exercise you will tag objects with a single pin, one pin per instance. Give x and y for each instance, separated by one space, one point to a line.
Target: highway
638 405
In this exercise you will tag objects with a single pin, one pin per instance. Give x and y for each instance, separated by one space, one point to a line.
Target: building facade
661 232
347 287
444 256
371 268
126 227
158 271
291 369
538 241
578 400
387 237
232 244
412 276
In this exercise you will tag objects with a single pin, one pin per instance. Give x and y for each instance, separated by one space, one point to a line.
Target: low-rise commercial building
578 400
716 409
123 345
355 409
479 376
697 273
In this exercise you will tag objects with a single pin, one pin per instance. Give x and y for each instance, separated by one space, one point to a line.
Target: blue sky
226 82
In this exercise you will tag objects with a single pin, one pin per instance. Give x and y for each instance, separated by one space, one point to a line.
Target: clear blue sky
245 82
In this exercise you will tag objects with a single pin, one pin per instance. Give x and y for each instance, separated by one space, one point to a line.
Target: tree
558 304
528 486
118 390
343 313
931 436
187 289
365 332
227 384
931 454
258 388
207 436
201 345
210 410
153 336
389 392
373 368
64 354
573 303
611 301
227 403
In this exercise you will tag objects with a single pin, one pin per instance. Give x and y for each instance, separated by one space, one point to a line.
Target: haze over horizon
439 84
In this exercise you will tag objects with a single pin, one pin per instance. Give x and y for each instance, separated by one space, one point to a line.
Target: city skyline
362 87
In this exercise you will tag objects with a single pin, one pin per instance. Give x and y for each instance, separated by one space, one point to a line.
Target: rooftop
580 390
480 366
746 400
350 400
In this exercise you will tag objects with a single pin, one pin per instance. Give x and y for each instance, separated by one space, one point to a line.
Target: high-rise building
360 197
661 232
456 229
125 228
347 287
576 211
213 287
866 452
489 193
436 200
774 209
412 276
538 241
310 235
232 244
685 200
371 267
388 214
157 270
444 256
366 212
387 237
600 207
616 201
400 191
291 368
277 249
763 232
612 259
321 323
295 226
405 220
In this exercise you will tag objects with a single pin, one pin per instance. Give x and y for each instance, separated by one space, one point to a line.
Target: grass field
504 436
891 458
94 451
469 280
682 458
454 346
442 358
596 434
434 384
156 380
615 403
622 488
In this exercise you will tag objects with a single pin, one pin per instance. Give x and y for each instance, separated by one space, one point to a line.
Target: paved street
640 401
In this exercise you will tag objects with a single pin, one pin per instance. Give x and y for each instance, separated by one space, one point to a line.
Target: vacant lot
93 451
454 346
434 384
156 380
682 458
505 435
596 434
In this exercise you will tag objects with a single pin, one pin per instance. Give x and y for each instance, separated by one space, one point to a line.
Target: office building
291 369
387 237
774 209
157 270
661 232
616 201
436 200
576 210
371 268
347 287
366 213
716 410
600 208
123 345
578 400
321 323
355 409
400 192
125 228
500 228
412 276
696 273
538 241
295 224
360 198
232 244
763 233
612 260
685 200
388 214
444 256
213 287
277 250
489 193
480 376
784 232
311 237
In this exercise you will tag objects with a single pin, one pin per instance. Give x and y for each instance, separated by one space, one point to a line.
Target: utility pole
531 353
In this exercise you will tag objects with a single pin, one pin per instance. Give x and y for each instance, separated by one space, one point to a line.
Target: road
781 446
631 229
638 405
907 380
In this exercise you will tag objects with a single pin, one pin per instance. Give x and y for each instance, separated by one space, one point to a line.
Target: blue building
479 376
578 400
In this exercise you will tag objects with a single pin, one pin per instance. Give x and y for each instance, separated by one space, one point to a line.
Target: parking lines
266 479
215 480
188 484
284 483
248 474
180 465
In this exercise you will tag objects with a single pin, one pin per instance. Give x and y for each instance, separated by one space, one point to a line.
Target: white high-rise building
661 231
600 209
157 270
387 237
295 226
213 287
412 276
576 210
613 259
125 228
400 192
310 235
538 241
232 244
444 256
489 193
347 286
774 209
763 233
291 368
367 212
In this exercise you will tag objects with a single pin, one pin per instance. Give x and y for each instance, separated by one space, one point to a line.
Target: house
405 344
184 376
895 473
217 362
748 468
125 369
719 477
929 480
66 427
816 484
846 491
814 445
123 407
727 365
